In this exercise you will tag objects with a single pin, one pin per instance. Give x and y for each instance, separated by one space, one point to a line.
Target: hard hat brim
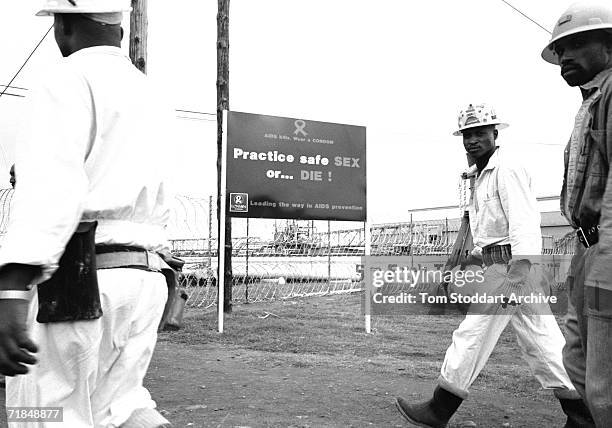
498 125
550 56
53 11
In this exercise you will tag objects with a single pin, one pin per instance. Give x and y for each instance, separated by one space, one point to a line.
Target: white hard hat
579 17
84 6
478 115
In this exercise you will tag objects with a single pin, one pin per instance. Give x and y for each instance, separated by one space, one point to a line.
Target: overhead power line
14 87
13 95
528 17
26 61
196 118
195 112
198 115
202 113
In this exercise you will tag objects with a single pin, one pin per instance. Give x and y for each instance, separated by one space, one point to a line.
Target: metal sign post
368 302
222 216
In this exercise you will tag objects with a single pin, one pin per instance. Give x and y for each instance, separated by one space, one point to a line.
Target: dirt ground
309 363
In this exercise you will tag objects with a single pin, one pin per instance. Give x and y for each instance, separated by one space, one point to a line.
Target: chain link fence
281 259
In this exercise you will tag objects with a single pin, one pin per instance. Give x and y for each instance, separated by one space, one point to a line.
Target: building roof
553 219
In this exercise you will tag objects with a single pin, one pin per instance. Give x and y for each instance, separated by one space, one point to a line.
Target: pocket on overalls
575 272
495 217
597 300
540 279
596 172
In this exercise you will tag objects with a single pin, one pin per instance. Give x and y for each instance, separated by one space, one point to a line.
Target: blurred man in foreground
581 45
87 224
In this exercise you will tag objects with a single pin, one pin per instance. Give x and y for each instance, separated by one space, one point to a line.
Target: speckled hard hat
478 115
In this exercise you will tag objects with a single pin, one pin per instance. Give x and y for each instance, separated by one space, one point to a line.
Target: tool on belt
588 236
172 317
72 293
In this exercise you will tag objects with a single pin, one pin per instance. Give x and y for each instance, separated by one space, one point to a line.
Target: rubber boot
434 413
578 414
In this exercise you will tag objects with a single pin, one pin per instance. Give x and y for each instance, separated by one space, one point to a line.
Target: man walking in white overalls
93 154
505 224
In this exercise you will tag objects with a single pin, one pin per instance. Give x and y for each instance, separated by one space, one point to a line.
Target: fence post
328 254
446 233
411 242
210 232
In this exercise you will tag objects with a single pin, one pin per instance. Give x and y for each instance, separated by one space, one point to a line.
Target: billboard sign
280 167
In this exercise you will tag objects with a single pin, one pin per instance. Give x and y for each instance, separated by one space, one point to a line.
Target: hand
518 271
476 252
474 258
14 340
471 260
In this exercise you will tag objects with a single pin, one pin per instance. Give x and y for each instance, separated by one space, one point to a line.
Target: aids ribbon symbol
238 199
299 127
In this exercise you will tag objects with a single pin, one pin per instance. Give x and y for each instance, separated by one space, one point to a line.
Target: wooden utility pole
138 34
223 104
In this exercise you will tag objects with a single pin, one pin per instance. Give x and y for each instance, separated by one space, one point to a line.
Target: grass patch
332 329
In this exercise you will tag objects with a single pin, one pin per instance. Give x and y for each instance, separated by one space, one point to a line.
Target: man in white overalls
505 224
93 152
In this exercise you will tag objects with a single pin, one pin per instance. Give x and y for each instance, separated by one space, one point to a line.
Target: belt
588 236
492 254
119 256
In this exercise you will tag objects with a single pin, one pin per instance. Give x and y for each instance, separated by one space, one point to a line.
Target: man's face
479 141
60 37
582 56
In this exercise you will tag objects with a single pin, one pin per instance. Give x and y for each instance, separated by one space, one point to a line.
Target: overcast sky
401 68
